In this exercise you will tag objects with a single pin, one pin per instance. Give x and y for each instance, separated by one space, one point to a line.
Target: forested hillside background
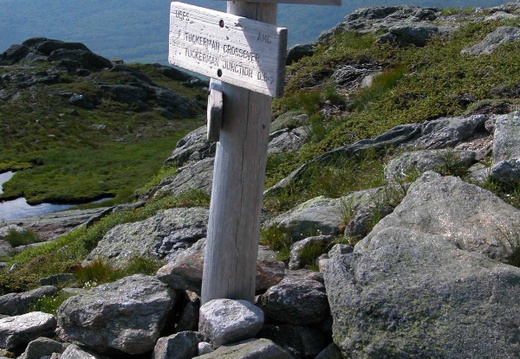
137 30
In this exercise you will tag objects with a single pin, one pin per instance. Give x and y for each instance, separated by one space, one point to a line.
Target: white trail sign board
234 49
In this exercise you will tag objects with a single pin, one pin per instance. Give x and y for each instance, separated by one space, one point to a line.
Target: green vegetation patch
15 238
69 154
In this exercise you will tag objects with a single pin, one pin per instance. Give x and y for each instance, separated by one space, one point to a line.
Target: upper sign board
236 50
308 2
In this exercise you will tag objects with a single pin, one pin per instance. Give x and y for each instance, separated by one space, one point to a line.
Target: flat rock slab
418 162
225 321
52 225
416 295
22 329
502 35
254 349
467 215
126 316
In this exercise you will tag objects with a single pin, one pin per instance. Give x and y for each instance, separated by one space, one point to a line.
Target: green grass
15 238
101 271
85 174
50 303
332 180
277 239
74 155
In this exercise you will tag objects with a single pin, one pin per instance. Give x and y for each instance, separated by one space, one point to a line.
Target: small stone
296 301
183 345
42 347
225 321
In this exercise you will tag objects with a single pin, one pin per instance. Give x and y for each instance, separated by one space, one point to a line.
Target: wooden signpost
246 51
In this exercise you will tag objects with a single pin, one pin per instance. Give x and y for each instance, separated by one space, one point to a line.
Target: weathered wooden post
249 57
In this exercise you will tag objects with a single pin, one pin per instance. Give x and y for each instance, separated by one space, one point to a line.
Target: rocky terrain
423 265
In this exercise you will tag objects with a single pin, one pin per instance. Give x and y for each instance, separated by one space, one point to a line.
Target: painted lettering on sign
233 49
264 38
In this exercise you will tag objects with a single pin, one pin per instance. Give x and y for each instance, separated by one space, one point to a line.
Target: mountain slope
137 31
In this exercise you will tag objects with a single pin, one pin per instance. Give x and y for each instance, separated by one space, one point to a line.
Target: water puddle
19 208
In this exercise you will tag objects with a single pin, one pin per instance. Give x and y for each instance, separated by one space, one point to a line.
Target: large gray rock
296 301
507 171
125 316
381 18
418 162
85 58
436 134
253 349
365 216
390 139
42 347
19 303
319 215
297 52
193 176
224 321
22 329
411 294
192 147
449 131
412 34
183 345
502 35
506 142
13 54
470 217
287 140
185 271
161 236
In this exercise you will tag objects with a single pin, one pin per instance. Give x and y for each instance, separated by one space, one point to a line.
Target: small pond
19 208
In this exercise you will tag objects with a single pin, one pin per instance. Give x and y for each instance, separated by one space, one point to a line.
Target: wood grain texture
233 49
238 183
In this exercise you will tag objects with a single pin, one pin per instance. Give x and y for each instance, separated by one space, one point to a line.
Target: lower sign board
236 50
